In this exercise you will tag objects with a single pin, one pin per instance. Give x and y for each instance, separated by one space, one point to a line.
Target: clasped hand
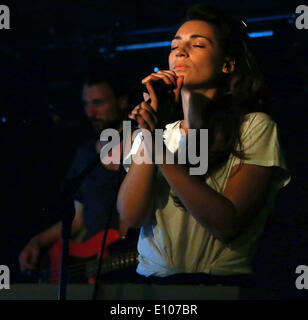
154 116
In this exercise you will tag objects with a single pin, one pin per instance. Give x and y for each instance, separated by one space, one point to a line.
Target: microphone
161 89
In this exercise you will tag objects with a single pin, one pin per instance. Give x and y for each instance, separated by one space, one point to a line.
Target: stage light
261 34
138 46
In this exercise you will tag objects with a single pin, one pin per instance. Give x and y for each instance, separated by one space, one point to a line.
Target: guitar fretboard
114 263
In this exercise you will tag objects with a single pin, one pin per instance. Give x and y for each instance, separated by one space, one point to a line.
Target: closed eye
195 45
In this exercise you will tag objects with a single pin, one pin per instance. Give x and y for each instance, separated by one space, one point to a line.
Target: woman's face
196 55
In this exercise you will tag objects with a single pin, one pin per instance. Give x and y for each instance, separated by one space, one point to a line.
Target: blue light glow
156 69
143 45
271 18
3 119
261 34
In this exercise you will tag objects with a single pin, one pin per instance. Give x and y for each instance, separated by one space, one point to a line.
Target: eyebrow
193 36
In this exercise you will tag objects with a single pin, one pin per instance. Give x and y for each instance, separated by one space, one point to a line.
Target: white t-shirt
174 242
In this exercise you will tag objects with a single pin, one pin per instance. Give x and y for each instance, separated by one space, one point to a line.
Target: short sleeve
260 143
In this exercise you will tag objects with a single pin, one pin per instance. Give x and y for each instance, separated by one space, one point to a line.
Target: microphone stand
66 204
98 279
100 261
67 220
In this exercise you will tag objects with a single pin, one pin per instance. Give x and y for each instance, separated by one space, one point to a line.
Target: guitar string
90 272
92 265
80 268
73 272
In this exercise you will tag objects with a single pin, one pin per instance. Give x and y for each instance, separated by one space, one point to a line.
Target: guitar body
80 255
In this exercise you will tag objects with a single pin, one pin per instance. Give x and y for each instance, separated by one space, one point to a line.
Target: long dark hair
243 91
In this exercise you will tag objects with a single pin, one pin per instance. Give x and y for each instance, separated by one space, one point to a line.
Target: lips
180 66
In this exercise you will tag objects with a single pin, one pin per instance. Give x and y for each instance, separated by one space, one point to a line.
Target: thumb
177 90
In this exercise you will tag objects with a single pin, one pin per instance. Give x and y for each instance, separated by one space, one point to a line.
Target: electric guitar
83 257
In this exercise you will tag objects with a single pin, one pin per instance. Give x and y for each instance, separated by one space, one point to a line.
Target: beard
101 124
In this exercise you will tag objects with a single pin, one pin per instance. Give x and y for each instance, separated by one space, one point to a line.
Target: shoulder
84 154
257 122
257 118
86 147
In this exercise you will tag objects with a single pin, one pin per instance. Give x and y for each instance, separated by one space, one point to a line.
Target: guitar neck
114 263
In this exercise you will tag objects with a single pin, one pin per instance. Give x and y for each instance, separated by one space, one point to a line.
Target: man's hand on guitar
28 258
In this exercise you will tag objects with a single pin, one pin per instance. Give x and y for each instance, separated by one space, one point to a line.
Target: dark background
42 59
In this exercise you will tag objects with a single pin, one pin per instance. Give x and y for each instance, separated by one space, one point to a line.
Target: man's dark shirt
97 191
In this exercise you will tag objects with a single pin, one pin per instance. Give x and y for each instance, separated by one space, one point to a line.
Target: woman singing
205 227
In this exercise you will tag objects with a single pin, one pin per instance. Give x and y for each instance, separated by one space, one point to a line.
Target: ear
228 66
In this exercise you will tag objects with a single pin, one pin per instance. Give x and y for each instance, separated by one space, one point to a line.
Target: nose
180 51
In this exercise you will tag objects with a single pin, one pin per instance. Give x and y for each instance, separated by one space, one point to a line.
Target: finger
169 74
24 264
148 118
147 107
149 78
152 96
135 110
141 123
33 259
167 78
149 115
158 74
